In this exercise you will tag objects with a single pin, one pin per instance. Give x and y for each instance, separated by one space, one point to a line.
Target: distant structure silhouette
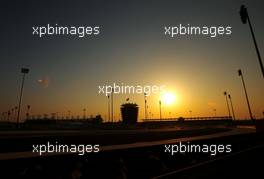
129 112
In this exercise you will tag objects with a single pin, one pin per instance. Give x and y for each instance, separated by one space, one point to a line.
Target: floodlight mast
245 18
24 71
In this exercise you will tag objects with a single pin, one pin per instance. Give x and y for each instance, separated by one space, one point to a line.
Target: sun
169 98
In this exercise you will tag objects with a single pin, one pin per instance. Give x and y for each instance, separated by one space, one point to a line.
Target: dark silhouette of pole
57 115
12 113
214 112
15 113
160 108
150 115
245 18
108 107
4 116
8 115
84 113
146 112
229 96
24 71
225 93
27 114
69 114
249 109
112 104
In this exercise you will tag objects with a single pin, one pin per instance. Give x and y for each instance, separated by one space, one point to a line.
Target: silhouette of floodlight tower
112 104
146 112
84 113
108 107
24 71
242 78
150 115
8 115
28 108
69 114
214 112
15 113
160 109
233 113
225 93
245 18
190 111
12 112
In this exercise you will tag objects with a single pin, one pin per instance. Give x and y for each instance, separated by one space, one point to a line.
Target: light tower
245 18
24 71
243 82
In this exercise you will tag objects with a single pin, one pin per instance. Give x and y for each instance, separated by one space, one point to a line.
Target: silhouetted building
129 112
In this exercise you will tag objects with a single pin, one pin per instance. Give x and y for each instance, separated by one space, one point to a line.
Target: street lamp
24 71
225 93
229 96
84 113
3 116
15 113
249 109
160 108
8 115
69 114
146 112
214 112
149 115
12 113
112 104
108 107
27 114
190 114
245 18
57 115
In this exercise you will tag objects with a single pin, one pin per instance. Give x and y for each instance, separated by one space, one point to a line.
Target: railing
192 118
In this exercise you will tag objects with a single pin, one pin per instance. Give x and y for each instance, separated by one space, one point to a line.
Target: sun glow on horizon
169 98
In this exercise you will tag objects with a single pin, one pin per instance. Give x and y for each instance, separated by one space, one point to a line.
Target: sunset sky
131 49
